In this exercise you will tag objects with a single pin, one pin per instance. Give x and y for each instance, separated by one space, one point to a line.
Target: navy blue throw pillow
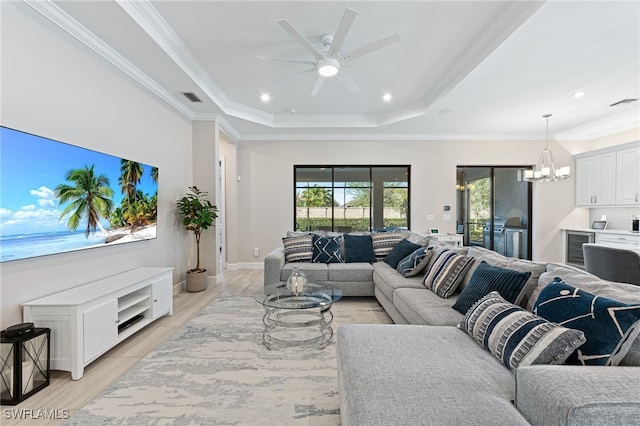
607 324
358 248
401 250
487 278
326 249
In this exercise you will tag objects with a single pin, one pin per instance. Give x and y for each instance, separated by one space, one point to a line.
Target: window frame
372 201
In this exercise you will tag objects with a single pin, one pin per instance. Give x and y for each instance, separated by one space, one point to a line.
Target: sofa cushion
422 239
517 337
496 259
628 293
446 273
610 326
412 375
327 249
487 278
574 395
358 248
350 272
401 250
423 307
299 248
383 242
315 272
388 280
415 263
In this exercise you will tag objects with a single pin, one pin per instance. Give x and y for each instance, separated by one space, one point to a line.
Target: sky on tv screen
32 222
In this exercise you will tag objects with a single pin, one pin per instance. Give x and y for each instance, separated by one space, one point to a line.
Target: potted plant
198 214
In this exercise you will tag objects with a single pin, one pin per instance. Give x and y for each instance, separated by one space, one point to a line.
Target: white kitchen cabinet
596 180
628 176
88 320
623 239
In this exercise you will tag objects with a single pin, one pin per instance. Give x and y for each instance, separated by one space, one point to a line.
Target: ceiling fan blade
295 61
344 26
295 74
384 42
302 40
317 86
346 80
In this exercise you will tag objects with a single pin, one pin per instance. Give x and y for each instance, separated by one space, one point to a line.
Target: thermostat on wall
599 224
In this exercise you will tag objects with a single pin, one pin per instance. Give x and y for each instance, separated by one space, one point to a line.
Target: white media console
88 320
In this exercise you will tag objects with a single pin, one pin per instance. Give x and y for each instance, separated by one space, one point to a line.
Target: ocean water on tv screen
14 247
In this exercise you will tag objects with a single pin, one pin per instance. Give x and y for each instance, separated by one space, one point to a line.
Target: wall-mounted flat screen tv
56 197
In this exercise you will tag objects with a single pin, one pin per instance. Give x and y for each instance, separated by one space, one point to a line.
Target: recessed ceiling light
387 97
265 97
579 94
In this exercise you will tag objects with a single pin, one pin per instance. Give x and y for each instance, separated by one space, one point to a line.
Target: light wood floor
71 395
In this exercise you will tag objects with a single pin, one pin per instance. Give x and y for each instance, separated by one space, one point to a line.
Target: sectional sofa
482 365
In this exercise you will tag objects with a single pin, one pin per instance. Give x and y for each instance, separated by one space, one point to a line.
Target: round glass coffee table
298 319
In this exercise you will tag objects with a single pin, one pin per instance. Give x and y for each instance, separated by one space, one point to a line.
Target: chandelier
547 170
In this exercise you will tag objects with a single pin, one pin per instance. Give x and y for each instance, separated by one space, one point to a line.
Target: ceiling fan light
328 67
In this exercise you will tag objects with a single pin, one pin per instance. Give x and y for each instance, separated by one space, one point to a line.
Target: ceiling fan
330 61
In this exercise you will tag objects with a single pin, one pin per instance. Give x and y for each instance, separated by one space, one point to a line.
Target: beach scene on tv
57 197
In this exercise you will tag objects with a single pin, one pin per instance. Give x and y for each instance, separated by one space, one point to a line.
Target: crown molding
509 20
150 20
609 125
369 137
60 18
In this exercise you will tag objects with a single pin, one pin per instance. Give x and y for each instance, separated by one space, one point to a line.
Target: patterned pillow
487 278
609 326
446 273
298 249
383 242
326 249
400 251
517 337
358 248
414 263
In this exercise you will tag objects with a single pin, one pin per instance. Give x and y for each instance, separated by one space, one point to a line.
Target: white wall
266 189
54 87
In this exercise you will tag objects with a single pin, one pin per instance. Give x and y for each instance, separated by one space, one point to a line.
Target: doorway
494 209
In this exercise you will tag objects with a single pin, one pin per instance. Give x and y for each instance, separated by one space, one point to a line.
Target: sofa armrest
578 395
273 264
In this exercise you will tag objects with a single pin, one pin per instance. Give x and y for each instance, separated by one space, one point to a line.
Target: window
351 198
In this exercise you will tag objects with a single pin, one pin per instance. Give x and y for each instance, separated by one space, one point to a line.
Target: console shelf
88 320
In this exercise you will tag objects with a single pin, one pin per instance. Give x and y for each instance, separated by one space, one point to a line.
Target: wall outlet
431 217
446 217
256 252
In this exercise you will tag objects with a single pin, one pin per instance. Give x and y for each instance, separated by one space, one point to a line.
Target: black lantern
24 362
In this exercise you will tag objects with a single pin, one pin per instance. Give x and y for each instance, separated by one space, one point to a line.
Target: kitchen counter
617 238
603 231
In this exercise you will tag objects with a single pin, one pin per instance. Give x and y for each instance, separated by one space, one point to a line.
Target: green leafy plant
198 214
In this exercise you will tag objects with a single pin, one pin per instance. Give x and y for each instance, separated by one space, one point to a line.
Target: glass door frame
463 201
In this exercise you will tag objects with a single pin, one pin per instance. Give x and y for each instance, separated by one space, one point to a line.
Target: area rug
216 371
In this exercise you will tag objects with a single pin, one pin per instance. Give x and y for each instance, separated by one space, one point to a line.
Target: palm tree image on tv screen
72 198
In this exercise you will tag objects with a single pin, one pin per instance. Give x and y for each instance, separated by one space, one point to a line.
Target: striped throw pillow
447 272
517 337
383 243
298 249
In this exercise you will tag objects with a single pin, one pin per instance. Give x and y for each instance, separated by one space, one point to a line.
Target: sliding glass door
494 209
